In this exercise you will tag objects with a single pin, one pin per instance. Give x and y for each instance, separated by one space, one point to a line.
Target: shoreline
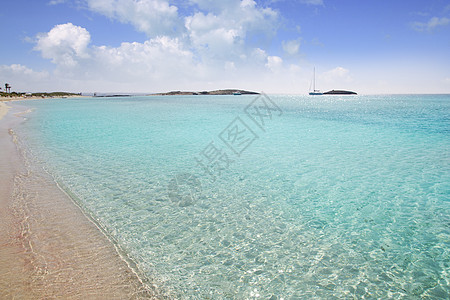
4 108
49 248
7 99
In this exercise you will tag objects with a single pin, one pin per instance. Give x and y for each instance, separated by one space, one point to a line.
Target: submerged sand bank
48 248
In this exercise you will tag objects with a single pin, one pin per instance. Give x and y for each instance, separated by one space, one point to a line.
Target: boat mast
314 79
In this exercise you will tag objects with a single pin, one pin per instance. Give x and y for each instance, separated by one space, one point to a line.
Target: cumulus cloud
337 72
211 36
18 69
215 6
65 44
156 59
159 64
224 32
259 54
217 29
274 63
153 17
209 46
338 75
21 77
431 25
291 47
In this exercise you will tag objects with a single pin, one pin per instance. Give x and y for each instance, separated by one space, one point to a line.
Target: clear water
329 197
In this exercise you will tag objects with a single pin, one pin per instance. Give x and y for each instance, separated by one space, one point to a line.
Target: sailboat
314 91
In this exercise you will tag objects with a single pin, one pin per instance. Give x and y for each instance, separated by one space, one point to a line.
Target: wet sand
3 109
48 248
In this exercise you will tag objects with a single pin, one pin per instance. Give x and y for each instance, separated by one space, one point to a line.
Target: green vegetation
55 94
44 95
13 94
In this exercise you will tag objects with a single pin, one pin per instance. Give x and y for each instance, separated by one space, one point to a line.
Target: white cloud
212 36
18 69
159 59
291 47
337 76
159 64
312 2
431 24
65 44
259 55
274 63
21 77
207 49
153 17
214 5
223 34
337 72
56 2
230 66
219 31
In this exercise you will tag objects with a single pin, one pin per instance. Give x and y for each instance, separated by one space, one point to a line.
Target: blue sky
263 45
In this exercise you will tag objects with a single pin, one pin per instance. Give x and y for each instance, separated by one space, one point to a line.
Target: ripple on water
340 199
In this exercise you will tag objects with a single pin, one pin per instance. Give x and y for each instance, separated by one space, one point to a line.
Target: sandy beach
48 248
6 99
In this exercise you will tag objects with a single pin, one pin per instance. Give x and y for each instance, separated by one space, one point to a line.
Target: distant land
216 92
110 95
339 92
23 95
43 95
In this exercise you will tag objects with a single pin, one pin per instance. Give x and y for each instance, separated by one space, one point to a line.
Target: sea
260 196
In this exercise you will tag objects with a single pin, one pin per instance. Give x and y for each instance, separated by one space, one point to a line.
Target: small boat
314 91
237 93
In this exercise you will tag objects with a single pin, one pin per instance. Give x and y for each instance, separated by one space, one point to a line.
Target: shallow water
262 197
49 249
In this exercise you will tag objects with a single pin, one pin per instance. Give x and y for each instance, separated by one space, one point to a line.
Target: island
110 95
339 92
215 92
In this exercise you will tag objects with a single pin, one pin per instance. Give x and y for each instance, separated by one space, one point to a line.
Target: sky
146 46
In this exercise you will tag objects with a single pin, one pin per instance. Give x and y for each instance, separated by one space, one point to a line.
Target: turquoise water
278 197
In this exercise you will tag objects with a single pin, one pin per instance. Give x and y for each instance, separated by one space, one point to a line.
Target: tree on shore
7 87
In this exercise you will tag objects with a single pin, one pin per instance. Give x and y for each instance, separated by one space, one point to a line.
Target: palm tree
7 87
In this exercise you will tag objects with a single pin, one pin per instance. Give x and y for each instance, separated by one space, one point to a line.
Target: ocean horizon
260 196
